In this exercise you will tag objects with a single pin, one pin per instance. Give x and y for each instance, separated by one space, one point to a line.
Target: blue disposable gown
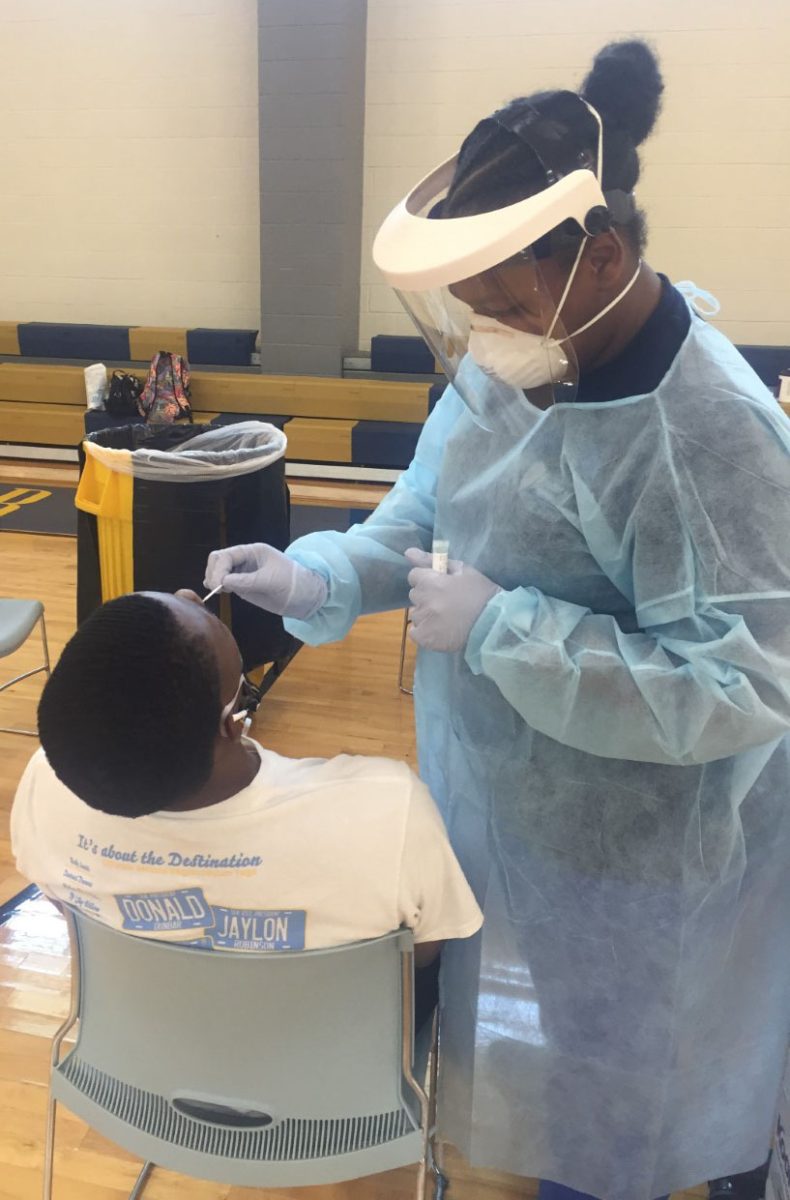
611 756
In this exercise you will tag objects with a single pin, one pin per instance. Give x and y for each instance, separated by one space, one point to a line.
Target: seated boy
148 809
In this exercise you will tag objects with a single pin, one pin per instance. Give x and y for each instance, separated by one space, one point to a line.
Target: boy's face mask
237 716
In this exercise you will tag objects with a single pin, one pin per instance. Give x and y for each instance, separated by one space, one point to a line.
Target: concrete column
312 119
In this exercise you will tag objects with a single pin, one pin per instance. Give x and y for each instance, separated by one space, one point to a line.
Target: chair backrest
309 1035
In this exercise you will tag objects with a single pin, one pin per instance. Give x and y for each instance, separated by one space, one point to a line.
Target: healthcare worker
603 686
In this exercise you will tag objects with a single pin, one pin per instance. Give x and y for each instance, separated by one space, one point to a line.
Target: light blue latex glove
266 577
445 607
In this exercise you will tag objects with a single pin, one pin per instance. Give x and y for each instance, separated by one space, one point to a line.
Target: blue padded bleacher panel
98 343
404 355
307 518
221 347
769 362
435 393
384 443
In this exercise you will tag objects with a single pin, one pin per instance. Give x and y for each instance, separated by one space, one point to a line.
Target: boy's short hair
130 714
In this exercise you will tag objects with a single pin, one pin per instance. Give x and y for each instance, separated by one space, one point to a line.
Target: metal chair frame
27 674
426 1098
406 691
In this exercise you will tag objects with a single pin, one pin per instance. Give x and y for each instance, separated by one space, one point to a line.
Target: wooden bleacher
361 421
45 405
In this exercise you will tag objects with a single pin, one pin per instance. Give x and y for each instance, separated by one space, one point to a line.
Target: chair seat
17 621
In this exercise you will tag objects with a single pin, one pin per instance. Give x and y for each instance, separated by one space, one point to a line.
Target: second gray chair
18 619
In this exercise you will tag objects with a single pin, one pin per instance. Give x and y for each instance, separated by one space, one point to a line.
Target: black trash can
153 502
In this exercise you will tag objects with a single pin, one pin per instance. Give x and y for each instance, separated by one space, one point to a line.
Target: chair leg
49 1148
26 675
440 1181
45 645
141 1181
406 691
422 1179
428 1166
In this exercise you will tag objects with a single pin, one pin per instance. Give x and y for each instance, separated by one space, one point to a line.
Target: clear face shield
474 286
500 340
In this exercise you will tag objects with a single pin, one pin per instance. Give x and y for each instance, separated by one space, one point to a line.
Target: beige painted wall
128 136
716 179
129 151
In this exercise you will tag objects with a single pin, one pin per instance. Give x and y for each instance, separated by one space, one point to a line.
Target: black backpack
123 400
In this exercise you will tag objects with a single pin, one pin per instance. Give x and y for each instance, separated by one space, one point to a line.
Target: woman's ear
607 261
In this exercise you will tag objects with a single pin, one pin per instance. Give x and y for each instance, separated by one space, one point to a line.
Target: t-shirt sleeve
434 898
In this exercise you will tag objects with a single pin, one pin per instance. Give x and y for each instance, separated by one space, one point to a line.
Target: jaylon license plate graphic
257 929
224 928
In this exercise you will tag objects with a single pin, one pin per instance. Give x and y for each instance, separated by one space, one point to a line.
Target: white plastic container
97 388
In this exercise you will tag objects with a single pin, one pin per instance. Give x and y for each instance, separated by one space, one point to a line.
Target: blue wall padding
221 347
307 518
383 443
407 355
99 343
435 393
769 362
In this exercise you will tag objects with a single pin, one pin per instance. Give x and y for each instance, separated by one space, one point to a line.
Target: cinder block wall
129 142
129 150
716 183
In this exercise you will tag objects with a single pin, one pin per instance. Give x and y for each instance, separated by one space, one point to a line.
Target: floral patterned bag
165 397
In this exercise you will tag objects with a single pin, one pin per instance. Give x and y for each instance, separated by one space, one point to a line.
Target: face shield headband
540 136
473 284
415 251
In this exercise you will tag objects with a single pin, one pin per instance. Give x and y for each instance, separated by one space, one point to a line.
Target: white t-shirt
311 853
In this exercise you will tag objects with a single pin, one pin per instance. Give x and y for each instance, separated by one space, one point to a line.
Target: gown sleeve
699 544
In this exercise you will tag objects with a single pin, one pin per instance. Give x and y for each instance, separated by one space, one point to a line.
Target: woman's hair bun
625 86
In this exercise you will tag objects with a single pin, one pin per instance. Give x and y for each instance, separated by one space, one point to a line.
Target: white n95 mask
526 360
520 359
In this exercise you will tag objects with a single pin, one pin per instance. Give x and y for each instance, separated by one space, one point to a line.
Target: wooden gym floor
335 699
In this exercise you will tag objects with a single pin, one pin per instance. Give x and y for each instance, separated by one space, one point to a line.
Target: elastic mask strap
583 243
229 707
599 164
609 306
567 287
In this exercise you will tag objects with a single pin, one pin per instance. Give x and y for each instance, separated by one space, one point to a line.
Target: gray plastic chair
18 619
277 1069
